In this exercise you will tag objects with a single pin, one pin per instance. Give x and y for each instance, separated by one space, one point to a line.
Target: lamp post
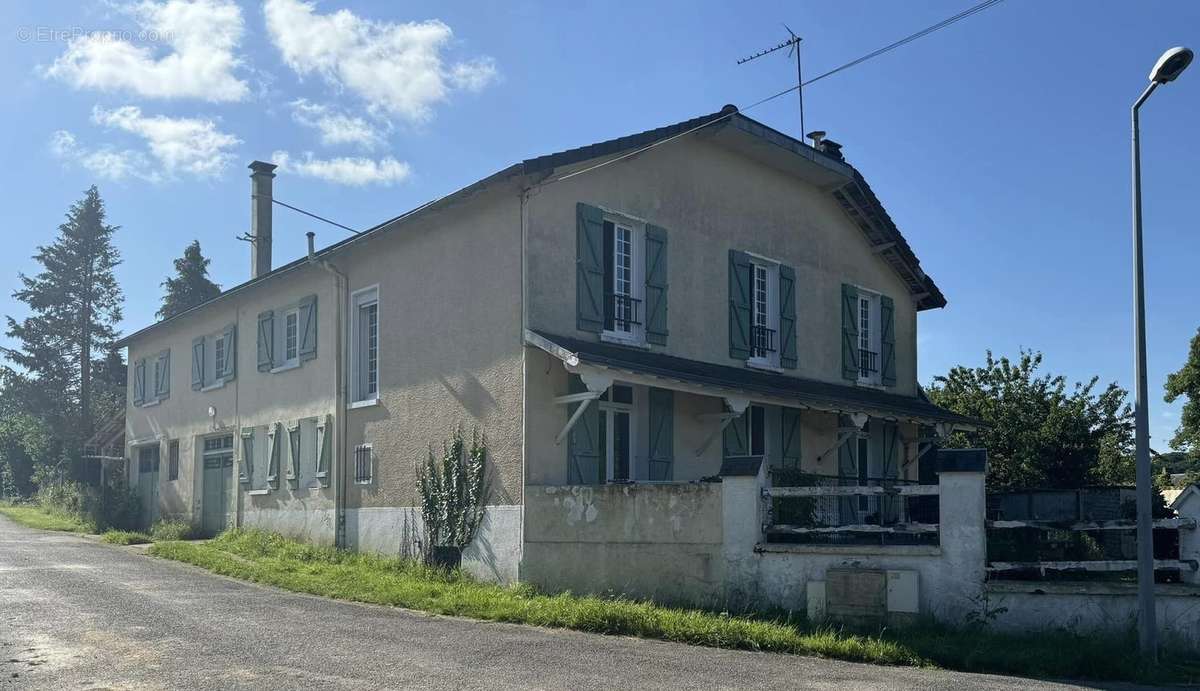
1169 66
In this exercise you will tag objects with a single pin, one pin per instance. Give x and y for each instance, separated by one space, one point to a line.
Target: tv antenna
793 46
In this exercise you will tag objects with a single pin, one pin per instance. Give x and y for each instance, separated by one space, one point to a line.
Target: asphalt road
75 613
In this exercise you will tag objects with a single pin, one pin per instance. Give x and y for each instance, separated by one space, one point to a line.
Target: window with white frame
868 338
624 284
219 354
764 313
616 433
365 348
291 337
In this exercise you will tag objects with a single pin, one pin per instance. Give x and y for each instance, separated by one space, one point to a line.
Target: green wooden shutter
162 384
883 448
790 456
266 341
739 305
787 317
139 382
887 348
847 473
656 285
584 466
308 328
589 268
198 363
849 332
662 434
736 438
230 369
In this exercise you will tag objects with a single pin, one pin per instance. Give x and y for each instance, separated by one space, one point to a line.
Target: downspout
341 283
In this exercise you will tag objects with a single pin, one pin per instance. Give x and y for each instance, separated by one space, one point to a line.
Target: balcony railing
868 362
762 340
621 312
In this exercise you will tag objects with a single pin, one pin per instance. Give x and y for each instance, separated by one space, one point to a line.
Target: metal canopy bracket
597 383
737 407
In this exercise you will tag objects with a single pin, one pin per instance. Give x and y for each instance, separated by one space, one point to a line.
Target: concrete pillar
963 530
741 526
1187 505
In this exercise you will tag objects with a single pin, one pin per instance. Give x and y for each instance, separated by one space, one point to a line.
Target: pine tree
190 286
74 305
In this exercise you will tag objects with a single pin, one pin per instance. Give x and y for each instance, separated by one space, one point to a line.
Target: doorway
217 484
148 459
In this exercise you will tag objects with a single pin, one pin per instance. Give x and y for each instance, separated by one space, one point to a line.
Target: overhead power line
987 4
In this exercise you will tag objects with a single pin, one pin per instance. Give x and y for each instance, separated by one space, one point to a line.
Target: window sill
367 403
151 404
758 363
285 367
631 341
258 492
368 483
213 386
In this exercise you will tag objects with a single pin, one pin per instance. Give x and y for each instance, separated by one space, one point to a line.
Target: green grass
125 537
35 516
272 560
171 530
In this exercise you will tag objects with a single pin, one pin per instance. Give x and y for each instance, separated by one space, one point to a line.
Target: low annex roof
727 127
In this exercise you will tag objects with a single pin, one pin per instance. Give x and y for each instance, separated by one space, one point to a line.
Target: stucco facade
456 293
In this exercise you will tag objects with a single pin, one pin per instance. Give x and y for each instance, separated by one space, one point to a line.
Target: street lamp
1169 66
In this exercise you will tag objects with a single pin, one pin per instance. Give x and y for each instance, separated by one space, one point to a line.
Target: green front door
148 458
217 484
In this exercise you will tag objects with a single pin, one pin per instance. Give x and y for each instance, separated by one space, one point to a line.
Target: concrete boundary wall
658 541
1094 608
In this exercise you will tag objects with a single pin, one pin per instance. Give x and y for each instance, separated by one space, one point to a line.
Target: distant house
628 331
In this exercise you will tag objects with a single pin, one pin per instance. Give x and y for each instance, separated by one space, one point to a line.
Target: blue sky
999 145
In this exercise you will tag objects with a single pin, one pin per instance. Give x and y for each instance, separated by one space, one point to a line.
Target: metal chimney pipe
261 194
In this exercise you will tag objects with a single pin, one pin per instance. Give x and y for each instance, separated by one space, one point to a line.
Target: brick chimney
260 217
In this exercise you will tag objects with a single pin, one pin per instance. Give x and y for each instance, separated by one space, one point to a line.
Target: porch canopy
599 363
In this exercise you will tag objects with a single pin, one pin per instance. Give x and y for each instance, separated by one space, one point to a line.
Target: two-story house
628 323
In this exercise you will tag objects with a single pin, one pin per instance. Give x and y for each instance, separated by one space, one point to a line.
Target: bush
172 530
102 508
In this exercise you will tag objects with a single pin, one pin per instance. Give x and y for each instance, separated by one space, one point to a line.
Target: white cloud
203 35
174 146
335 126
104 162
397 68
355 171
181 145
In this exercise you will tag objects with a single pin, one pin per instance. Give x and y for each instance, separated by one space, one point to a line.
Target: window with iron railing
621 312
762 341
868 363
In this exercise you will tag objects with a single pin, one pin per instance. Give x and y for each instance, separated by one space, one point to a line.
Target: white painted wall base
311 525
494 554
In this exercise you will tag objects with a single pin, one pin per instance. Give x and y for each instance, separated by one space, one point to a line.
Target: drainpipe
342 283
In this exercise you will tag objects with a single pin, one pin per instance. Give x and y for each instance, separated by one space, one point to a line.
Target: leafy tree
1040 433
190 285
74 305
1186 383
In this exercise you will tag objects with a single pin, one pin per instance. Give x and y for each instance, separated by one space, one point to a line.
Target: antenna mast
793 46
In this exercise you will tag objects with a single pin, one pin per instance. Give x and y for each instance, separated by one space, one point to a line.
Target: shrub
172 530
103 508
453 490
